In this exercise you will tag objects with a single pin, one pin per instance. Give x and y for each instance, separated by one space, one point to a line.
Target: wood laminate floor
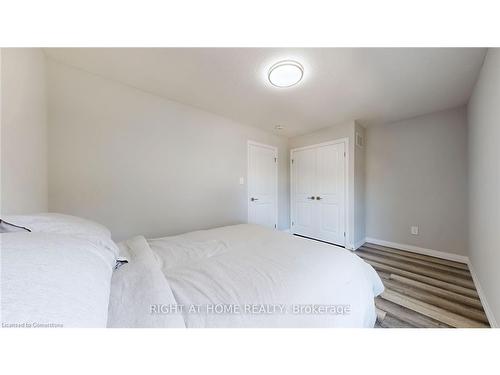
423 291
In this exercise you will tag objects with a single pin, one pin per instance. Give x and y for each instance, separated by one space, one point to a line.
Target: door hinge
344 154
293 223
275 160
344 234
274 226
292 161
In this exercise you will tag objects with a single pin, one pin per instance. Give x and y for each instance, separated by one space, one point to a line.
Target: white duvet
249 276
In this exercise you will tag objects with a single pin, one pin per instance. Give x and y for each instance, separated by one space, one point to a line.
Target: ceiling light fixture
285 73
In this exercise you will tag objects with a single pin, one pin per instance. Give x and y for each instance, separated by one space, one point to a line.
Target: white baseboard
482 297
420 250
447 256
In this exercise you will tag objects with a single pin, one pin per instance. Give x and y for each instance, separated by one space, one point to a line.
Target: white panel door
318 192
304 188
262 185
330 193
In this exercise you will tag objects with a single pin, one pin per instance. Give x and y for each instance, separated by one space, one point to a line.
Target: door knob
318 198
312 198
254 199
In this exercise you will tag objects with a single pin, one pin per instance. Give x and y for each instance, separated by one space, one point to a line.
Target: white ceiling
372 85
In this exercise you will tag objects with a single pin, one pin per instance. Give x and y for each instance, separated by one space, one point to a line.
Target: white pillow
136 287
54 280
66 224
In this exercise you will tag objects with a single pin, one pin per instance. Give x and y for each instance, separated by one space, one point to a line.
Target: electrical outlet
414 230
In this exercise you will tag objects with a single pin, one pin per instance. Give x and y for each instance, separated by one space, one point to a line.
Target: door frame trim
275 149
347 218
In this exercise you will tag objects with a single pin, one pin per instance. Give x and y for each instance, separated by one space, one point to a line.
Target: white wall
344 130
416 174
24 131
141 164
359 187
484 183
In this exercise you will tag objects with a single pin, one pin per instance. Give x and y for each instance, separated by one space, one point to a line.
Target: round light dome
285 73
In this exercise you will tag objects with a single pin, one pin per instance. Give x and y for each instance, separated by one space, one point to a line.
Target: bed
65 271
241 276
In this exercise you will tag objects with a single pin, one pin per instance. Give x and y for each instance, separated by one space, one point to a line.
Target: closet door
318 192
304 216
330 193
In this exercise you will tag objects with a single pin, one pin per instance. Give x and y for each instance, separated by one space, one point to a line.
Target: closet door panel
304 186
330 194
